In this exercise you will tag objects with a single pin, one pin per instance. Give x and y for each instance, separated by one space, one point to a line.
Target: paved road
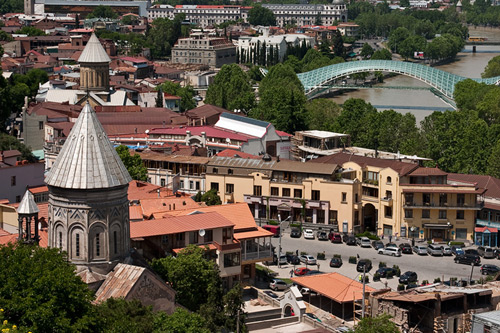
427 267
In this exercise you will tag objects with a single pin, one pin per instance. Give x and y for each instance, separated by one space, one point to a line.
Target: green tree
40 291
231 89
259 15
382 54
185 93
353 119
30 31
366 51
404 3
133 163
318 20
492 69
322 114
410 45
8 142
163 35
103 12
32 80
211 198
338 45
396 37
118 315
129 20
380 324
493 168
11 6
469 93
5 36
181 321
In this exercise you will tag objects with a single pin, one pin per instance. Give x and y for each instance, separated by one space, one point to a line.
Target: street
427 267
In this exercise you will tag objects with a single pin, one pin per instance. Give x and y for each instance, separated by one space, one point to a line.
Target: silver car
435 250
447 251
277 284
420 249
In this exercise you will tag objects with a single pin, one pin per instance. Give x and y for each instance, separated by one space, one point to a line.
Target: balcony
387 200
233 245
444 205
253 251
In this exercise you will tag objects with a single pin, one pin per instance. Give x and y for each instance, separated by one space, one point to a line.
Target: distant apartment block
200 49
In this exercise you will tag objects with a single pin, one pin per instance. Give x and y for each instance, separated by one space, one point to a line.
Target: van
275 229
435 250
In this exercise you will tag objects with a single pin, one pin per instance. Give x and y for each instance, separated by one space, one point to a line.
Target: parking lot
427 267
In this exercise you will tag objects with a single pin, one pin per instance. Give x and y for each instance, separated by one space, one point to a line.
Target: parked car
313 316
322 235
308 234
351 241
345 237
411 285
365 242
408 277
456 250
486 252
390 251
420 250
292 259
305 291
335 262
384 271
405 248
308 259
301 271
282 259
447 250
472 251
435 250
314 272
275 229
377 244
489 269
391 245
270 294
335 237
364 263
277 284
468 259
295 233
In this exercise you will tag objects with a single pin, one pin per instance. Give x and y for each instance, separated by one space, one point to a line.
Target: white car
390 251
308 259
308 234
365 242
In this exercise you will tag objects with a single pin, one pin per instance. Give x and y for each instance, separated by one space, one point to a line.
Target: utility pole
363 304
471 271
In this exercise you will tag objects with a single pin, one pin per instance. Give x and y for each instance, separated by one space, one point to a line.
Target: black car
295 233
391 245
468 259
489 269
408 277
472 251
377 244
292 259
405 248
335 262
364 263
411 285
386 271
351 241
345 237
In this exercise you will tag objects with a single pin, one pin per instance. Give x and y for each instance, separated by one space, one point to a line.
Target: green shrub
376 277
367 279
353 260
382 264
401 287
303 253
398 271
321 256
437 280
369 235
425 282
272 222
294 225
337 256
490 278
457 243
390 274
288 252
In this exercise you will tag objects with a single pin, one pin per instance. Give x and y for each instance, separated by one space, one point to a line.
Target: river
422 103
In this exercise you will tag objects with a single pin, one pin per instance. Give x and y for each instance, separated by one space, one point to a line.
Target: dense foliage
11 6
163 35
133 163
259 15
210 198
30 31
492 69
185 93
102 11
380 324
313 59
8 142
231 89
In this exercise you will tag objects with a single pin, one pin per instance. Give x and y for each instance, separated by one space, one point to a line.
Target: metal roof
94 52
492 316
88 159
27 204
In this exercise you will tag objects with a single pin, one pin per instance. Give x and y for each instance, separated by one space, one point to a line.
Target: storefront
486 236
437 231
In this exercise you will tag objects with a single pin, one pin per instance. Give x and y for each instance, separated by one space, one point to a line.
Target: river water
422 103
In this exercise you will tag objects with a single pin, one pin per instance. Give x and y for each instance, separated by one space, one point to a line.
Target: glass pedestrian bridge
318 79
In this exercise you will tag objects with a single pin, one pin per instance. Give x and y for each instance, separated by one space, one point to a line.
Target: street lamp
412 229
279 247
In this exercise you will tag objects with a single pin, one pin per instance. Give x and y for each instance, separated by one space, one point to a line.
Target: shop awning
437 226
486 229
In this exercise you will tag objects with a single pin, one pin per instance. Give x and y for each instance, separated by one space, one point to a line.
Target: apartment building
201 49
306 14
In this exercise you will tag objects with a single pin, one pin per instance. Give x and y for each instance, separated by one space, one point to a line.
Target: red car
301 271
335 237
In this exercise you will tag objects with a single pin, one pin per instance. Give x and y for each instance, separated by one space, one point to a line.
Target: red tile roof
281 133
237 153
39 189
196 130
138 190
491 184
428 172
135 213
159 205
260 232
174 225
334 286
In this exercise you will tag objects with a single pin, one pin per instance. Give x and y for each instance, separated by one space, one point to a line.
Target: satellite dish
202 232
228 140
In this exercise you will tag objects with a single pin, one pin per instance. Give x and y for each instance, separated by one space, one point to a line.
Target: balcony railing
234 245
251 250
430 205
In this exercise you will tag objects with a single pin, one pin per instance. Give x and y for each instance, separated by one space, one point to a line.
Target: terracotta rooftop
154 156
427 172
237 154
196 130
174 225
138 190
162 205
491 184
334 286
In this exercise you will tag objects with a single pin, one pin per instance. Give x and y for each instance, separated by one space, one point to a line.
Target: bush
401 287
398 271
390 274
376 277
437 280
353 260
457 243
369 235
288 252
272 222
321 256
302 253
367 279
490 278
425 282
382 264
337 256
294 225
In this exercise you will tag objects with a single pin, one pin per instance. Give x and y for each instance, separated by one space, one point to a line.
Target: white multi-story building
300 14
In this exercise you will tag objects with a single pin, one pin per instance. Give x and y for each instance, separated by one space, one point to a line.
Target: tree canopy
492 69
210 198
163 35
133 163
259 15
231 89
380 324
102 11
30 31
185 93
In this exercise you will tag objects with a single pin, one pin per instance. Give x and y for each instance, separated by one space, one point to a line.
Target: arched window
389 180
98 244
115 242
60 240
77 245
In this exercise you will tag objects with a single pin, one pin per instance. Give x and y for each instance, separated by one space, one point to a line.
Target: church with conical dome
88 212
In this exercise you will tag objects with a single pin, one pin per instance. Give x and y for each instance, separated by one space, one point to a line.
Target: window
257 190
285 192
226 235
460 214
389 180
229 171
229 188
344 197
426 214
215 170
214 186
409 199
115 241
414 231
13 181
40 125
442 214
388 212
162 182
181 184
426 198
60 240
164 239
443 199
232 259
409 213
275 191
197 185
460 199
193 237
388 195
356 198
315 195
209 236
98 244
18 198
191 184
297 193
461 233
77 245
